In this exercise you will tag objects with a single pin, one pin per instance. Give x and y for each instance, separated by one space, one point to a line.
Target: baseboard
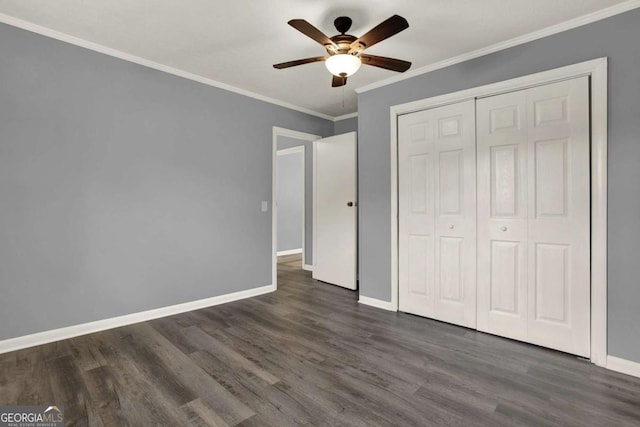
290 252
384 305
623 366
18 343
307 267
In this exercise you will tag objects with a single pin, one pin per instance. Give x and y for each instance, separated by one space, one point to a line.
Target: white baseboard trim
18 343
290 252
384 305
623 366
307 267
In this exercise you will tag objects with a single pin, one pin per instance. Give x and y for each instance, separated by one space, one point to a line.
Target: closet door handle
503 228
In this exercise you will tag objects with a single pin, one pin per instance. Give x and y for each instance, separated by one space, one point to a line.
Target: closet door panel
559 216
436 230
416 213
455 220
534 216
502 215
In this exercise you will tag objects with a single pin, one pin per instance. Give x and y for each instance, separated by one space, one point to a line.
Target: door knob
349 204
451 227
503 228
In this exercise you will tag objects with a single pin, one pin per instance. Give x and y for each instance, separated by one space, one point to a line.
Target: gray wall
286 142
346 125
290 191
124 189
617 38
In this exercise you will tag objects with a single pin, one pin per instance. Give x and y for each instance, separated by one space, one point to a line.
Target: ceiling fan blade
383 31
299 62
386 63
338 81
310 31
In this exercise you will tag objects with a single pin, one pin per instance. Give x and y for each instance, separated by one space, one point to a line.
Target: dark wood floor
309 354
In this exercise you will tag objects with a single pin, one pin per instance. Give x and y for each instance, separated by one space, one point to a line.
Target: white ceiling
236 42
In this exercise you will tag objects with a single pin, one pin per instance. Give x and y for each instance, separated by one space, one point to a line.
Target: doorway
290 183
292 242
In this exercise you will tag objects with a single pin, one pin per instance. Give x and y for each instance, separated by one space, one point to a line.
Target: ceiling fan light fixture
343 64
346 51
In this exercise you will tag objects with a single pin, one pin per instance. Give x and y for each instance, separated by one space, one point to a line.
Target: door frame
303 136
284 152
596 69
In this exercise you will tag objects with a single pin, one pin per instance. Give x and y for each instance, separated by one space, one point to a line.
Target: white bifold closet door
534 216
437 213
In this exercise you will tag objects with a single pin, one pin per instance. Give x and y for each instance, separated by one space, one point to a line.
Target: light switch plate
265 206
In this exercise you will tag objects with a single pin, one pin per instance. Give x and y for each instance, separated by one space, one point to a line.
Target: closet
494 214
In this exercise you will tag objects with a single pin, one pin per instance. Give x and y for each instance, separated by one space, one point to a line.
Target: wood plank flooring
309 354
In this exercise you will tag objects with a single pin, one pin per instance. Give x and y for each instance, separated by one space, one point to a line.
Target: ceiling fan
345 50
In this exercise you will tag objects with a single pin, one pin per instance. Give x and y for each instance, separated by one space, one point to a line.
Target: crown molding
67 38
345 116
545 32
554 29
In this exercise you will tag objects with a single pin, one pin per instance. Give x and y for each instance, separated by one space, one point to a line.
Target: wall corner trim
67 38
345 117
623 366
307 267
290 252
516 41
377 303
39 338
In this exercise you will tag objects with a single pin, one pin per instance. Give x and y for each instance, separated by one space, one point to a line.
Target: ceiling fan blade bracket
357 47
331 48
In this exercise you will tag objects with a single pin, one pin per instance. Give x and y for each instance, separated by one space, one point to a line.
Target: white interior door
334 210
437 213
534 216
